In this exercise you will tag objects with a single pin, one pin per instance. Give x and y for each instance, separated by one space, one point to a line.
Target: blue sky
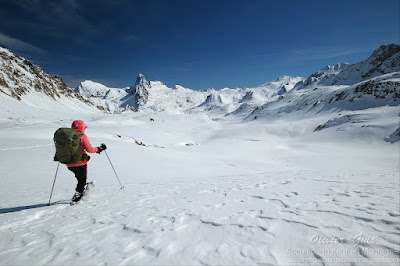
197 44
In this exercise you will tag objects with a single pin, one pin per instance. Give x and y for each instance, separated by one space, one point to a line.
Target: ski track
243 217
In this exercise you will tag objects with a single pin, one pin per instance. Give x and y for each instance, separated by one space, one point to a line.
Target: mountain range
371 83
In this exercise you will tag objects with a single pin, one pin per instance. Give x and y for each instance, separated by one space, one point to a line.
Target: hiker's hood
79 126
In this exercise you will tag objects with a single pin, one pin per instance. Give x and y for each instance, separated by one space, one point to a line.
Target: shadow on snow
27 207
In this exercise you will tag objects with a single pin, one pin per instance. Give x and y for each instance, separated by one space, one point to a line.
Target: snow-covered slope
376 92
252 98
200 192
25 84
143 96
282 84
110 99
368 89
156 96
384 60
176 99
371 83
294 175
90 89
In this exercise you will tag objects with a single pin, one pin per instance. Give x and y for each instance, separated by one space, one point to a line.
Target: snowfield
293 172
202 190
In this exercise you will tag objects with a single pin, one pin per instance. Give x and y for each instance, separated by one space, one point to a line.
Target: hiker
80 168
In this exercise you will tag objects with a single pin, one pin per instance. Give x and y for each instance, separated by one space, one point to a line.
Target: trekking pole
114 169
51 194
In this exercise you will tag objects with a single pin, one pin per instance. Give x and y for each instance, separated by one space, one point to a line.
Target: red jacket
80 127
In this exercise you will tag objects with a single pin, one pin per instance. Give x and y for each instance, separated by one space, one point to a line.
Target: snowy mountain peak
384 60
333 69
283 78
282 84
6 51
141 81
278 83
90 88
19 77
384 52
140 91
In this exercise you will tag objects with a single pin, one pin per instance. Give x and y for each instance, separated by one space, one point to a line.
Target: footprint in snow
256 197
290 194
284 205
130 229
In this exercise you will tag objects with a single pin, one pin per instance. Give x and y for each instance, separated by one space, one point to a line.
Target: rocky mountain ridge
156 96
336 79
376 76
20 77
384 60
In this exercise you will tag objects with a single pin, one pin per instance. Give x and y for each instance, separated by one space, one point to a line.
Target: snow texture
305 176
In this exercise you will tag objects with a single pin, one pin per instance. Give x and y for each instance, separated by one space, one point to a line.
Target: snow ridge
384 60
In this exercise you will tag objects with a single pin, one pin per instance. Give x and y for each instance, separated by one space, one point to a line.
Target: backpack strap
85 157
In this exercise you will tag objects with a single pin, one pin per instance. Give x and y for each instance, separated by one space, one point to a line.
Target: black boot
77 196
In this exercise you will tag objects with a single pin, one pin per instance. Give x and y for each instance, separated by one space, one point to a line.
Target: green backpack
68 146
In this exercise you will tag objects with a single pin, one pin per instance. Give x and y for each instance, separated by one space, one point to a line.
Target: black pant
81 175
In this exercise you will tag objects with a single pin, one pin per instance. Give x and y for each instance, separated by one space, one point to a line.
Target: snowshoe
89 187
77 197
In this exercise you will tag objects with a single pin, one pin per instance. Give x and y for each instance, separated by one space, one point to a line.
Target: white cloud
312 53
322 53
19 46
